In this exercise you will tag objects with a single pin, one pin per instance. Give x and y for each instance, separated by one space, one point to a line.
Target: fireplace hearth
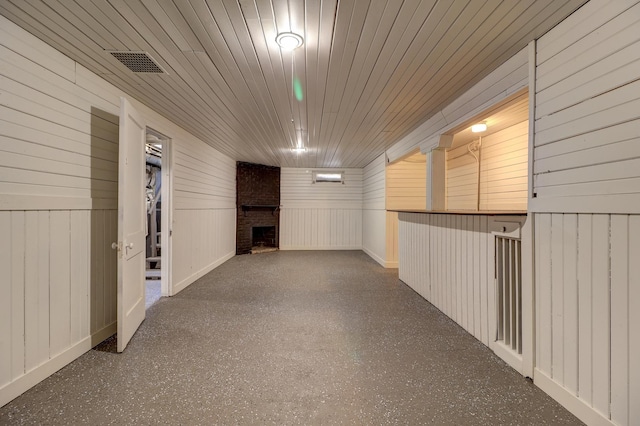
263 239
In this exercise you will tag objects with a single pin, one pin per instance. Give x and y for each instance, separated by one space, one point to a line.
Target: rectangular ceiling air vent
140 62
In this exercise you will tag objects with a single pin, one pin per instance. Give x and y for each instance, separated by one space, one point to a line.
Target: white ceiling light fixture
289 41
478 128
299 149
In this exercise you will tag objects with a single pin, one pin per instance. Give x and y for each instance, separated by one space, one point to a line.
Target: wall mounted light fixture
479 127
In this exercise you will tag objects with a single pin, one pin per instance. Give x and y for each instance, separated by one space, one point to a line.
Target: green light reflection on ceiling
297 89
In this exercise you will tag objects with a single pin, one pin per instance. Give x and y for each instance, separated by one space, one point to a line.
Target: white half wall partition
475 263
586 199
58 208
321 215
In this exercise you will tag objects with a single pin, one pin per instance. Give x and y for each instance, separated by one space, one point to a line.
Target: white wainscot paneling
321 216
374 229
374 226
588 304
202 240
447 259
320 229
58 286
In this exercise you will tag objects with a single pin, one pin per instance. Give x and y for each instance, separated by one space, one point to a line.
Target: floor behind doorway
292 338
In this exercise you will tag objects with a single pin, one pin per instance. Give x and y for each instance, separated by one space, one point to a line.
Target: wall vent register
334 177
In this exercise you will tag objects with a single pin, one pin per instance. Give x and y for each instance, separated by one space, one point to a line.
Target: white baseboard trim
104 333
177 288
384 263
285 248
507 355
25 382
576 406
375 257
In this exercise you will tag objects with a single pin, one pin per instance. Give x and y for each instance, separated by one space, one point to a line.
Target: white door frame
166 218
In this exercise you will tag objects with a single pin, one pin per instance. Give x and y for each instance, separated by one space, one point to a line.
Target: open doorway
157 212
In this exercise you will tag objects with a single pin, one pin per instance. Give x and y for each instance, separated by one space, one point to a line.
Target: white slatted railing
509 293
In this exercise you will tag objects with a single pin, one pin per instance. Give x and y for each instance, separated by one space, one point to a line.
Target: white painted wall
587 114
320 216
58 201
374 226
586 180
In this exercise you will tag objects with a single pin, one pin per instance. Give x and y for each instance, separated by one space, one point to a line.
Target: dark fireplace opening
263 238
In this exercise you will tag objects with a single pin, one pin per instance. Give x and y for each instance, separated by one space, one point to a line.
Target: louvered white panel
587 125
374 216
407 183
585 309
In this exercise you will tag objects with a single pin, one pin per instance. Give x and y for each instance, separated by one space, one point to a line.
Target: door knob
114 246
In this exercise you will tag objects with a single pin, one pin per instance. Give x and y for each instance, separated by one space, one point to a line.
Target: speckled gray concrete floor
292 338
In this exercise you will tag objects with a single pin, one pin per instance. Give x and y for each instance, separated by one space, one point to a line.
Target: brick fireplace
258 206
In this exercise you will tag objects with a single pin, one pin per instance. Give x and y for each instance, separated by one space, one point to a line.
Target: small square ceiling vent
139 62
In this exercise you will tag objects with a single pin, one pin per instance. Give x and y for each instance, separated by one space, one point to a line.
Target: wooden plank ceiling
370 70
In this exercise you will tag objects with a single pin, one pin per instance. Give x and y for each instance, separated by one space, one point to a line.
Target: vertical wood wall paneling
585 296
543 300
6 302
556 299
633 308
17 293
620 319
379 238
321 216
569 286
586 291
448 259
601 313
60 327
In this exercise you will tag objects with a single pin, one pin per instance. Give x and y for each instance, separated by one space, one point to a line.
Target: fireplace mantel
247 207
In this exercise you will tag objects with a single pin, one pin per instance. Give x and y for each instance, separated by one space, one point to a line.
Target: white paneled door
131 224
